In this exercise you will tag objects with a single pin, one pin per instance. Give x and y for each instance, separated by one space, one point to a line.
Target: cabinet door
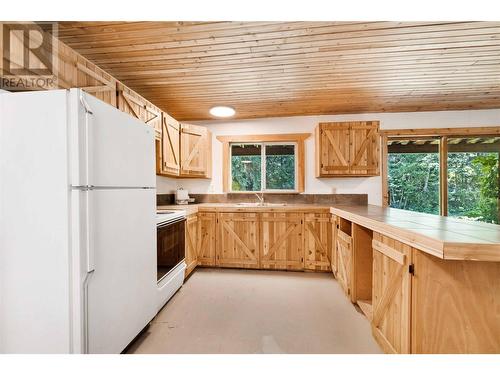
281 241
364 148
135 105
237 240
332 147
318 234
91 78
196 151
206 247
344 259
391 294
333 246
192 235
170 163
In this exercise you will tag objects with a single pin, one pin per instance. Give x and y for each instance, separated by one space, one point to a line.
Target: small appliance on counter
182 197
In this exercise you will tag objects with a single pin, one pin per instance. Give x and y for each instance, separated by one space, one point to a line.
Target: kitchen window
449 174
266 166
270 163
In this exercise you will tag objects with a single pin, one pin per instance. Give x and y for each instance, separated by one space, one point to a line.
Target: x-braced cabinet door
135 105
333 148
281 236
364 141
237 240
333 254
191 243
170 146
196 156
391 294
206 241
344 260
317 238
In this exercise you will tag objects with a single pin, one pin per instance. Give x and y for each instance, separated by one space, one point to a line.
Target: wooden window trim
297 138
443 134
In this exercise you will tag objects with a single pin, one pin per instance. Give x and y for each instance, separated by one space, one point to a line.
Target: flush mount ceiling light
222 111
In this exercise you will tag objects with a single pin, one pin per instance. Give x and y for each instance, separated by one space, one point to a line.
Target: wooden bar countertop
443 237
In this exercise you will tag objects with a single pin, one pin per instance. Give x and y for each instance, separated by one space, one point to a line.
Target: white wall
304 124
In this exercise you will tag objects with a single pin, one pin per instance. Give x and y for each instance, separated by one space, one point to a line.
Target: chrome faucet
261 198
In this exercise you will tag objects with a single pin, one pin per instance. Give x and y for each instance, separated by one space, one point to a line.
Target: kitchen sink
258 204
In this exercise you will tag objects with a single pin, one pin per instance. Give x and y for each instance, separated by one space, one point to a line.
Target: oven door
170 246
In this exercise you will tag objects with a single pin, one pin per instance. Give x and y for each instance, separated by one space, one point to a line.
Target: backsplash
353 199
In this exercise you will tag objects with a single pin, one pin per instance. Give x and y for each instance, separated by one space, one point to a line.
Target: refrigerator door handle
88 113
88 240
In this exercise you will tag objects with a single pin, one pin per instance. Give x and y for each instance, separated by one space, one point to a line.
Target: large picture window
413 174
263 166
450 175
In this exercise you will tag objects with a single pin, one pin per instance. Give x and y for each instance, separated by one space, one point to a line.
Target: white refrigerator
77 224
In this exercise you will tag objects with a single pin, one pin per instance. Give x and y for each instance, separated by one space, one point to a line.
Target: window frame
443 134
265 139
263 167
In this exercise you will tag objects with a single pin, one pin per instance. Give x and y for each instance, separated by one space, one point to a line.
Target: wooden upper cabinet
170 147
364 148
347 149
332 149
196 151
135 105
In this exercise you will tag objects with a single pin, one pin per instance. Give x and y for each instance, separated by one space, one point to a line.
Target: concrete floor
243 311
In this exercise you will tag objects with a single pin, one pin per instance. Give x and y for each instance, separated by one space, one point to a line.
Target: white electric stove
171 249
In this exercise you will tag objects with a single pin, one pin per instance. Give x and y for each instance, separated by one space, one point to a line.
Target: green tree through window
472 181
278 173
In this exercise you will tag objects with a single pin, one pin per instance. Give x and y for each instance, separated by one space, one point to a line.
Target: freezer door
120 291
110 148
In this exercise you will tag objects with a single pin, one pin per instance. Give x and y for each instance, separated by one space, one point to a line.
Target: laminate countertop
443 237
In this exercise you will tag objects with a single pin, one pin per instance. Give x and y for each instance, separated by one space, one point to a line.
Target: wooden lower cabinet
207 236
192 236
281 244
455 306
391 294
317 239
423 304
333 251
343 248
238 240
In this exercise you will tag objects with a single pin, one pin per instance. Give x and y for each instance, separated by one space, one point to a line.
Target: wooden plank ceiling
267 69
